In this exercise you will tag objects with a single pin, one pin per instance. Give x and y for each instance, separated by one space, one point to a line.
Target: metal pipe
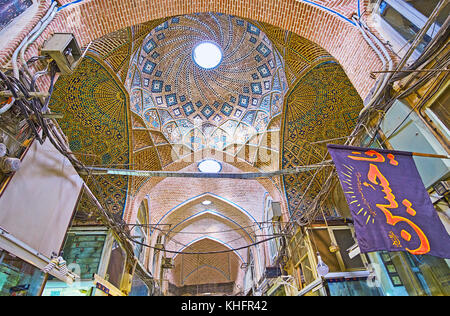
32 94
416 70
363 29
33 31
224 175
45 22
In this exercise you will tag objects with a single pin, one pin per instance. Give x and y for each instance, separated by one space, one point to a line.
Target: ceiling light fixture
206 202
207 55
322 268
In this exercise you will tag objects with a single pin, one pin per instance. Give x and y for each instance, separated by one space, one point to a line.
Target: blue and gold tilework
268 77
176 84
322 105
95 121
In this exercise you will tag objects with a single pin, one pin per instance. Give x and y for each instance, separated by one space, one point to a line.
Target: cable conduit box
63 48
276 208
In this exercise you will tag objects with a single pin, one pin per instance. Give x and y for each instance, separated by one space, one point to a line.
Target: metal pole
44 283
416 70
229 175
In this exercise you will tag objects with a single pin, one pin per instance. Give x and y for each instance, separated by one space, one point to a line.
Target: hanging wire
207 232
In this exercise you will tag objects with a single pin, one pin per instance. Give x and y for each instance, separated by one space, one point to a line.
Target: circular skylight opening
207 55
209 166
206 202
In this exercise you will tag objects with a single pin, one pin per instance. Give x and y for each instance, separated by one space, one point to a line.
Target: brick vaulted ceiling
138 101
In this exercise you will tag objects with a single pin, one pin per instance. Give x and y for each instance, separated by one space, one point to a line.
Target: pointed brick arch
189 163
206 269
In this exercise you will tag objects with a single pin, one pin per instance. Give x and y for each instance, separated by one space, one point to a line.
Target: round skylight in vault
209 166
207 55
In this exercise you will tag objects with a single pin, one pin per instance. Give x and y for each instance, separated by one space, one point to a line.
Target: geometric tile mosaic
95 122
323 105
176 83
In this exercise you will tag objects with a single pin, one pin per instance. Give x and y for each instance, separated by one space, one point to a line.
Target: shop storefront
402 274
17 277
83 249
93 254
351 285
138 287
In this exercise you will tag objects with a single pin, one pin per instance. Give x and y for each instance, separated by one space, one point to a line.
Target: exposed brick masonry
90 20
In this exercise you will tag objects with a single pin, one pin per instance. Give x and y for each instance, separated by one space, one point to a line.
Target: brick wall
89 20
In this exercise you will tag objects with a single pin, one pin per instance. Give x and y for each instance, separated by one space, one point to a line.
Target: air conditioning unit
64 50
276 209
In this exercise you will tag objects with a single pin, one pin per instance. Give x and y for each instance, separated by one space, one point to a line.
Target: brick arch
179 213
207 270
232 163
188 266
327 24
217 240
214 215
191 210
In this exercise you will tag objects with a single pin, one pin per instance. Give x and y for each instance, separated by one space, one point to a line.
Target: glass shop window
116 265
344 240
426 8
404 27
403 274
305 271
138 287
337 258
439 112
352 287
271 229
300 255
139 236
18 278
376 143
321 240
403 19
155 263
84 252
432 271
140 232
248 281
280 291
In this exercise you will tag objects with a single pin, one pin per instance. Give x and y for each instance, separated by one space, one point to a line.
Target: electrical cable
202 232
206 252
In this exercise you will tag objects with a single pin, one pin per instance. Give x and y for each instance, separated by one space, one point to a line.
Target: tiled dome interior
206 108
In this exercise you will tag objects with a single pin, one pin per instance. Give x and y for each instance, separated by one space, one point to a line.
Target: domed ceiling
206 108
138 97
